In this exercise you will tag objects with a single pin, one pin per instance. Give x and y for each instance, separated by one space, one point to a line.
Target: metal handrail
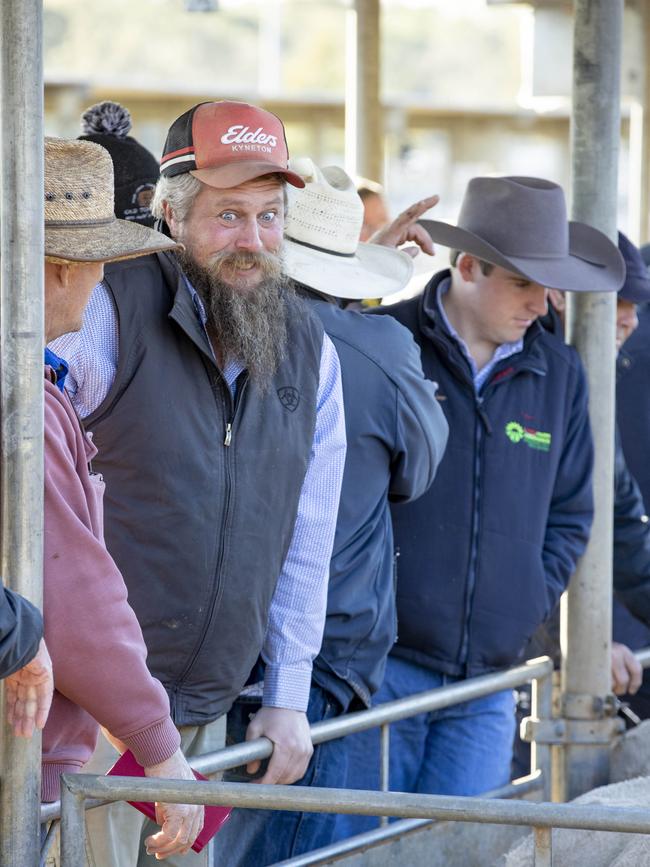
346 724
401 828
80 792
541 817
405 827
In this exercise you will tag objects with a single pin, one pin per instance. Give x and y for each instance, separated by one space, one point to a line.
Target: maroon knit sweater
98 653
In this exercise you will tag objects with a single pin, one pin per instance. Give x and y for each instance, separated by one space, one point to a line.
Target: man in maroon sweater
97 649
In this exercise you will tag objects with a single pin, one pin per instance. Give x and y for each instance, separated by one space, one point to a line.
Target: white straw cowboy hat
521 224
322 248
80 225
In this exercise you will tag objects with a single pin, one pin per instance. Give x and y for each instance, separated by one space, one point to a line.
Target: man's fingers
419 235
197 826
636 675
627 673
276 771
415 211
285 767
43 707
619 674
166 836
175 836
404 227
636 678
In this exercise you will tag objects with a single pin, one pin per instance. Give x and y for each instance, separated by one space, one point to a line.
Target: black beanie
136 169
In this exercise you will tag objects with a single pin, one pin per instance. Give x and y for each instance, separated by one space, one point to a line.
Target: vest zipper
218 583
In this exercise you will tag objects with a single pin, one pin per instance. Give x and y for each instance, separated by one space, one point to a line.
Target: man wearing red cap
215 401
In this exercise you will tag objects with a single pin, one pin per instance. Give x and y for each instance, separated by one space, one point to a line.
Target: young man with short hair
488 550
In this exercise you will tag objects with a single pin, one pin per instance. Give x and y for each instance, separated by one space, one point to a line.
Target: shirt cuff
286 687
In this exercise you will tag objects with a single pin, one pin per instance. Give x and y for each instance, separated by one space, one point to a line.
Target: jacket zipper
218 586
482 423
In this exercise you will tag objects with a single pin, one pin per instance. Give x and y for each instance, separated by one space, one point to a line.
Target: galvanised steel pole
21 383
595 128
364 132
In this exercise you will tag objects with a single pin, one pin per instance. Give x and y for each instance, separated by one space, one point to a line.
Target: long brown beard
245 324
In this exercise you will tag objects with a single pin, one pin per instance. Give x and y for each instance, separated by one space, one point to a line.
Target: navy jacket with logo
487 551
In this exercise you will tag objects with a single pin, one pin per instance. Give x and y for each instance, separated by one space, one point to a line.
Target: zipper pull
483 416
228 438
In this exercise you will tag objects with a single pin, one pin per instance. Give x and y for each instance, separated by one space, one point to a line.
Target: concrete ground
596 848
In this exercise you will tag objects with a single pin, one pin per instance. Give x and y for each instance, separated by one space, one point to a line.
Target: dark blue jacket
21 629
632 553
633 402
511 506
396 434
631 559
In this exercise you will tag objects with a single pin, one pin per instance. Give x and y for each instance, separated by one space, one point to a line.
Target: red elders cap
227 143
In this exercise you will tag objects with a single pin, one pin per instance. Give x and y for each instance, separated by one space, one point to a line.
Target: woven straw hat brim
117 240
594 263
373 272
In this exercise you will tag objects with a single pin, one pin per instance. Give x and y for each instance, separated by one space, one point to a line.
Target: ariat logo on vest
289 397
535 439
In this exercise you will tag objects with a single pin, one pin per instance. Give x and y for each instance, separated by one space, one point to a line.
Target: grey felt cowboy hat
80 225
521 225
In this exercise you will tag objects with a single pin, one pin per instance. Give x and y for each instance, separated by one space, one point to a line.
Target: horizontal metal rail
418 809
589 817
402 828
643 656
392 711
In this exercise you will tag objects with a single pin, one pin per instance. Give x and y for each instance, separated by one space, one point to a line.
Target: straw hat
521 224
80 225
322 248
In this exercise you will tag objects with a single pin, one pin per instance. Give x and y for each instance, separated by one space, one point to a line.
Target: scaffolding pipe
595 131
21 384
364 133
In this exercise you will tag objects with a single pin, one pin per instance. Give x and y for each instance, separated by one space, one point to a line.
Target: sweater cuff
51 778
154 744
286 687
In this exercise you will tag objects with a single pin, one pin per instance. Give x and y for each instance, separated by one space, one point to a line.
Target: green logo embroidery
536 439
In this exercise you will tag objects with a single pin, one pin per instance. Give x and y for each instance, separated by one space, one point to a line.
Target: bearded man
215 401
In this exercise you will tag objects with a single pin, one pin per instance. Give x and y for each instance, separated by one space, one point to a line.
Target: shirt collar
58 365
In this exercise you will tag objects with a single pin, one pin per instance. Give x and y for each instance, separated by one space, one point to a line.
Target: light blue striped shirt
297 615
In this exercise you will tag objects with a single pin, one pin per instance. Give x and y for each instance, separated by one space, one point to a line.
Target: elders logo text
242 139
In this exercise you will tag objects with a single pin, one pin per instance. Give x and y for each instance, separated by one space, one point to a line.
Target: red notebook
127 766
